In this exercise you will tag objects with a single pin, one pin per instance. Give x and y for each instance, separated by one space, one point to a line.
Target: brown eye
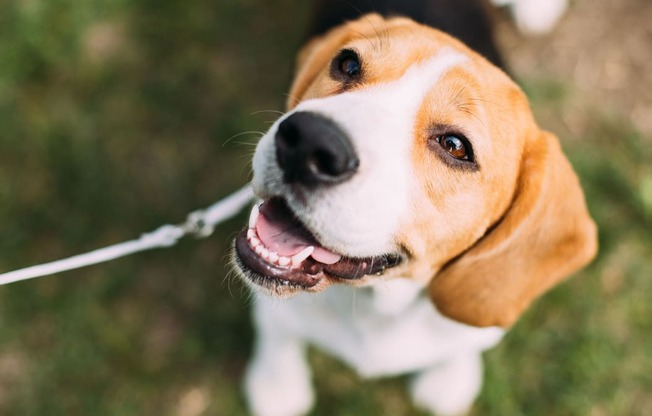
452 147
346 67
455 146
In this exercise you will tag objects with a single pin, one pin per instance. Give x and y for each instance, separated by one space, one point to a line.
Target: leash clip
197 226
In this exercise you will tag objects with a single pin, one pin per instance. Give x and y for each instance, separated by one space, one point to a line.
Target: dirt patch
601 47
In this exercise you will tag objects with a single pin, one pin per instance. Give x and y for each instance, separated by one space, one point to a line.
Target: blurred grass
117 116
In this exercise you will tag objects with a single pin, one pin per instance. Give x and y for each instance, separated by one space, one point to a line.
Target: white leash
199 223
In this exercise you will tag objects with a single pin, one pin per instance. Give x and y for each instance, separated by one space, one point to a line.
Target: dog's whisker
246 144
268 111
374 46
483 100
378 34
470 112
244 133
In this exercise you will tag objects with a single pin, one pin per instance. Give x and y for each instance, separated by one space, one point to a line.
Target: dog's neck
393 296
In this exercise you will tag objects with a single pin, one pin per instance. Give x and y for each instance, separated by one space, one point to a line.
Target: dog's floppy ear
545 235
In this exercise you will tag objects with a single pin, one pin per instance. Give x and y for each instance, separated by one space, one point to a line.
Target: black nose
313 150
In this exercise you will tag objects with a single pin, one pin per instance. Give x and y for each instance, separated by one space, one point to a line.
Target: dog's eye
456 146
350 66
346 66
452 147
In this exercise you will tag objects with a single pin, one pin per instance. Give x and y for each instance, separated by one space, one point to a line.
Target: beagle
411 209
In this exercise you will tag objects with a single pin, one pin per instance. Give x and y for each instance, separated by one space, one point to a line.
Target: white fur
376 334
535 17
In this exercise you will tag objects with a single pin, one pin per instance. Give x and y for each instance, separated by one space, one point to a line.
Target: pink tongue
281 232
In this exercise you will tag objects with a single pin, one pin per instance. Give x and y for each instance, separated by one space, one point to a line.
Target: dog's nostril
323 162
287 135
313 150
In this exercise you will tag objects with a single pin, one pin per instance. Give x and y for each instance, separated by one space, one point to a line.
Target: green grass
115 117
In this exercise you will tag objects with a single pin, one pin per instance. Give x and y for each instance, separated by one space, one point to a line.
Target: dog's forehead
391 49
387 49
416 81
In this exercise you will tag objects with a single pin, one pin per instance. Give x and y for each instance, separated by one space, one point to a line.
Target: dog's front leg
449 388
278 381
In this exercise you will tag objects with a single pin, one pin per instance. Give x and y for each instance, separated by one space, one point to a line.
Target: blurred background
117 116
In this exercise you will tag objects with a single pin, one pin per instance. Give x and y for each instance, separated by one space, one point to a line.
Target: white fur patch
358 326
535 17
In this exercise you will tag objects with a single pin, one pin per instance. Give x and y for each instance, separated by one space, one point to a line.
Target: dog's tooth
254 242
264 253
253 217
250 234
283 261
273 257
298 258
259 249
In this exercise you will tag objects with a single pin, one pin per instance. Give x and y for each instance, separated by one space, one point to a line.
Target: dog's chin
278 255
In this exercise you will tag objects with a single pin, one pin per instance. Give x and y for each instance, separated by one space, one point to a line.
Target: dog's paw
279 386
449 389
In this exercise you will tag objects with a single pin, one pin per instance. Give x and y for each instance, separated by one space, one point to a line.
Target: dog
410 210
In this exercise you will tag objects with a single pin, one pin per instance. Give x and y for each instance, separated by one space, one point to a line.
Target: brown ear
545 235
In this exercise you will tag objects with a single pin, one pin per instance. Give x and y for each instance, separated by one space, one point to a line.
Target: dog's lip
310 272
307 275
303 269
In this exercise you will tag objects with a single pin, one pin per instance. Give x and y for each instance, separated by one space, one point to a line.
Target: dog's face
406 154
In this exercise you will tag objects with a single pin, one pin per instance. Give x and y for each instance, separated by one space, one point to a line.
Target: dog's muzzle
277 251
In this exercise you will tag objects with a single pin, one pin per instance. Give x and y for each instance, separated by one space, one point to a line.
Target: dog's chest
385 329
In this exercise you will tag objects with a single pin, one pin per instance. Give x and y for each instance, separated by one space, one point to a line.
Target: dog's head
404 153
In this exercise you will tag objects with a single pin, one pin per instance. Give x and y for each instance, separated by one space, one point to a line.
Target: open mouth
276 250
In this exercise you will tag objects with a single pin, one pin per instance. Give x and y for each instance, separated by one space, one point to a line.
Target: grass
118 116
